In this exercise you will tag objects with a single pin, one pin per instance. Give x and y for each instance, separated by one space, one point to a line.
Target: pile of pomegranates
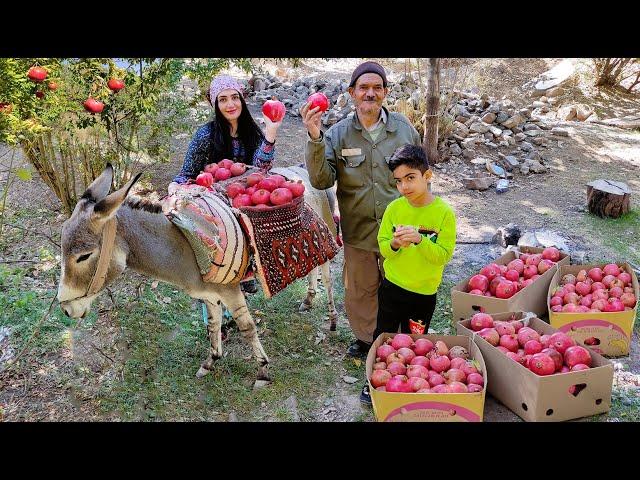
606 289
542 354
422 366
504 281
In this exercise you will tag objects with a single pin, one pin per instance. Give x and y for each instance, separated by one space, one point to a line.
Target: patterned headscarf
223 82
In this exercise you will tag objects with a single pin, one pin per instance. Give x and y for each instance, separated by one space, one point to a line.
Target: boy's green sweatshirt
418 268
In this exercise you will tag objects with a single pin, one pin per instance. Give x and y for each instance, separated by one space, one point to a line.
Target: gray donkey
107 233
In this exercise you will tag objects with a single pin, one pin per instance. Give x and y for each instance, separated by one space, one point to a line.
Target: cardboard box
529 299
429 407
538 398
610 332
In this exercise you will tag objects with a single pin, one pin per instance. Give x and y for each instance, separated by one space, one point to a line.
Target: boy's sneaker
365 396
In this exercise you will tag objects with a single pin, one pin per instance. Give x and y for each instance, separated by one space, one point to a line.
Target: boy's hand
405 236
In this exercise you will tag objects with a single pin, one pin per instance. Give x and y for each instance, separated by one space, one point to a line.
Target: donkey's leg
214 310
307 303
326 280
234 299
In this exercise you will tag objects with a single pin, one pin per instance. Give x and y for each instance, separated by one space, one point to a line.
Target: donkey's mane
149 202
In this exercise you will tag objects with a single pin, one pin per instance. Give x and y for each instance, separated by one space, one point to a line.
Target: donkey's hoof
258 384
332 328
202 372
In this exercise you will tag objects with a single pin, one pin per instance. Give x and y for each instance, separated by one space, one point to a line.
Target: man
354 152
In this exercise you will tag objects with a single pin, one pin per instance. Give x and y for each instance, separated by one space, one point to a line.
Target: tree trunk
430 140
607 198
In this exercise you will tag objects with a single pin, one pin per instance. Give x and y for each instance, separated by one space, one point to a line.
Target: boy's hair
410 155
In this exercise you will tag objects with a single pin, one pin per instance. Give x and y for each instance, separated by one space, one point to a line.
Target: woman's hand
270 128
311 120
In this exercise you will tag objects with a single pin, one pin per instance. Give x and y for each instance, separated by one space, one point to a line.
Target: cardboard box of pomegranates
605 305
431 382
559 384
530 298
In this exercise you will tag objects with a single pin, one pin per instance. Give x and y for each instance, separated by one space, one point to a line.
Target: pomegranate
380 365
525 334
398 383
423 346
204 179
517 265
397 368
628 299
93 106
225 163
504 328
597 286
490 271
297 188
544 265
254 179
37 74
115 85
455 375
379 378
570 308
556 301
530 271
534 259
475 291
440 363
510 342
318 99
384 350
587 300
242 200
418 383
435 379
582 276
611 269
281 196
561 342
514 356
502 349
532 347
417 371
401 340
441 389
568 278
542 364
490 335
457 387
565 369
234 189
505 289
595 274
617 283
441 348
583 288
468 368
475 378
222 173
600 295
457 362
420 360
458 352
570 288
577 354
614 305
480 321
395 357
571 298
608 280
579 366
211 168
625 278
555 356
260 197
268 184
238 169
479 282
274 110
556 308
407 354
517 324
424 390
551 253
474 388
512 275
615 292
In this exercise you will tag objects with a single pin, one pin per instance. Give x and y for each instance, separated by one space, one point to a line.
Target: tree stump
607 198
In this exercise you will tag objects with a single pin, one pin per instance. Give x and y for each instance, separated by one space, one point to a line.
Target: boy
417 237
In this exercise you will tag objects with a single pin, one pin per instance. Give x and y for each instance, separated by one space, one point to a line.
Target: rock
462 111
468 154
516 130
495 169
555 76
507 133
292 405
488 117
540 141
583 112
553 101
343 100
567 112
495 131
495 108
258 384
510 141
461 129
560 132
538 104
349 380
501 117
542 239
469 142
519 137
259 84
525 113
513 121
535 166
524 169
543 99
531 126
455 149
554 92
526 147
511 160
477 183
533 133
461 119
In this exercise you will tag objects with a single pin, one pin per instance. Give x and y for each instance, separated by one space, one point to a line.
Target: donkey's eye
82 258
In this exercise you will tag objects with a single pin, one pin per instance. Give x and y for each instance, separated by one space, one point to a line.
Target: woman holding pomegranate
232 134
416 238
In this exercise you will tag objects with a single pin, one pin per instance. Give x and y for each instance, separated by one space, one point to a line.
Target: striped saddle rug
212 229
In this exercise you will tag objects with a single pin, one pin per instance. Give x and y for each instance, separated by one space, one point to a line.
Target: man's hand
311 120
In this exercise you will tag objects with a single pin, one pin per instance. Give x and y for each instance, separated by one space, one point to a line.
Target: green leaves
23 174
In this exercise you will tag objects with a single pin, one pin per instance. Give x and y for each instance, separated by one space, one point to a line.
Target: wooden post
430 140
607 198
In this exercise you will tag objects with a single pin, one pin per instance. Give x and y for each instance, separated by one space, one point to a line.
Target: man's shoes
365 396
250 286
358 349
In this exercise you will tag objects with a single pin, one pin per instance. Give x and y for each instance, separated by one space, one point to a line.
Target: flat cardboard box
538 398
610 332
529 299
428 407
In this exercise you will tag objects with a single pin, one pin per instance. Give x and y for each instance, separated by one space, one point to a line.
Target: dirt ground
554 201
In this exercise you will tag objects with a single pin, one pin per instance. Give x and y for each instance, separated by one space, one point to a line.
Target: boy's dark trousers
397 305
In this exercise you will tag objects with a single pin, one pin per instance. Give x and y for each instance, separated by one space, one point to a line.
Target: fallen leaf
357 362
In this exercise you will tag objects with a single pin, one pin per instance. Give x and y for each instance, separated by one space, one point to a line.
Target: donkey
107 233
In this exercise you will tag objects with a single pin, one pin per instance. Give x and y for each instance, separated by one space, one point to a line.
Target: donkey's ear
100 187
107 207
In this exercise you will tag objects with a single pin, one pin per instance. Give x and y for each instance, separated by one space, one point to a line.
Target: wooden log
607 198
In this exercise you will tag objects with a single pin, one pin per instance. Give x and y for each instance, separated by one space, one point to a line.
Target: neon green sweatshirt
418 268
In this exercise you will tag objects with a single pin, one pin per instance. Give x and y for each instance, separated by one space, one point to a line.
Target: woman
232 134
